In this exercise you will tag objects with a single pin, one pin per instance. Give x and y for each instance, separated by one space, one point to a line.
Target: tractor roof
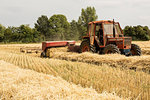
101 21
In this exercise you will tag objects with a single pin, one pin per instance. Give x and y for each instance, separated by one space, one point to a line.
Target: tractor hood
119 38
121 42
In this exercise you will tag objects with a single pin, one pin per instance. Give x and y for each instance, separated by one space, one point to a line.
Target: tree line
137 32
21 34
57 27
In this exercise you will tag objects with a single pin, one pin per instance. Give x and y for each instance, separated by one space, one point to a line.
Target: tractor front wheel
111 49
85 46
135 50
93 48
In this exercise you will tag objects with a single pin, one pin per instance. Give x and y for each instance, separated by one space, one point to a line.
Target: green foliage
87 15
59 27
2 29
42 25
7 35
74 34
26 34
137 32
22 34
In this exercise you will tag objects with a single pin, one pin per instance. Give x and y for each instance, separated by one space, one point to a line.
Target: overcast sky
127 12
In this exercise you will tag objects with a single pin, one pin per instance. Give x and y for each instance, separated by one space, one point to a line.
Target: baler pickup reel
31 50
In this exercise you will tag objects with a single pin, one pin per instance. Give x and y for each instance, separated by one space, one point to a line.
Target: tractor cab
107 37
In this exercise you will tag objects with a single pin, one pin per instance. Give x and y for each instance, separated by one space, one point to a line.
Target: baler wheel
111 49
135 50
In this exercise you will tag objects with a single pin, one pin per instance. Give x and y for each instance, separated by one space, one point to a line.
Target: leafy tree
14 34
25 33
87 15
74 34
37 37
28 34
7 35
42 25
137 32
59 27
2 30
81 28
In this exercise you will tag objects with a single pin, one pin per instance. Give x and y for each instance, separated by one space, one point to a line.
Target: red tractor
106 37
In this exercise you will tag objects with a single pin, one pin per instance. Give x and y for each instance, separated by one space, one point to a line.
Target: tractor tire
85 46
135 50
111 49
93 48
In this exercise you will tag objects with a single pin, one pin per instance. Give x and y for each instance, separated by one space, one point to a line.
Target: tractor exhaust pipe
114 29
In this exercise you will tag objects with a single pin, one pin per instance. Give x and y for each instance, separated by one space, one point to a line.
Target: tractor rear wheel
111 49
135 50
85 46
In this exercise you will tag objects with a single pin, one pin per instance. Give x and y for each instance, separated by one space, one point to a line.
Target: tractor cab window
99 34
97 29
118 30
108 29
91 32
91 29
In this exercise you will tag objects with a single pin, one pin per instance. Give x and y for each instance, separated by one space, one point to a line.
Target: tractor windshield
108 29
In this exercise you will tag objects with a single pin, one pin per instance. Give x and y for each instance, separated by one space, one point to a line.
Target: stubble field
126 77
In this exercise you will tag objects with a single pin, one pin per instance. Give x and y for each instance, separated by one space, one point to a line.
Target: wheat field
127 77
137 63
20 84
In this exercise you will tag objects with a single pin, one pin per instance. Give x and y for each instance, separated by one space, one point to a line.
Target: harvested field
145 46
125 83
108 73
18 84
137 63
